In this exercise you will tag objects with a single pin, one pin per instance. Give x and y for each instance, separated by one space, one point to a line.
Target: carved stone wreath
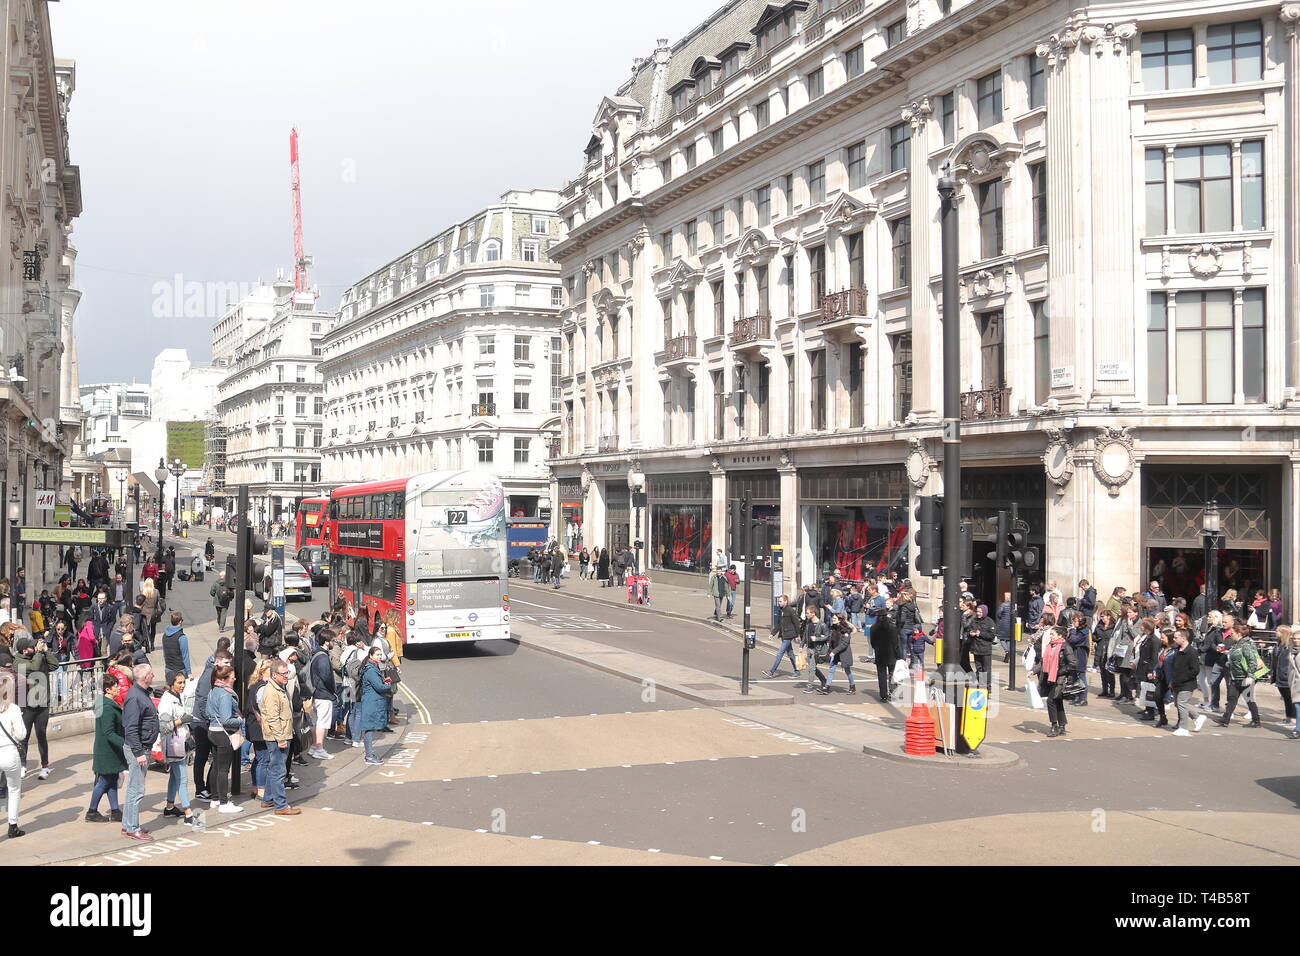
1205 260
1057 458
918 464
1113 463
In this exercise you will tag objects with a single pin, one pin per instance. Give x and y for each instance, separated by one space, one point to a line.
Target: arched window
491 251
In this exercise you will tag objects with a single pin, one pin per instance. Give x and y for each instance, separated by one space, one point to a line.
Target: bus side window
399 504
334 510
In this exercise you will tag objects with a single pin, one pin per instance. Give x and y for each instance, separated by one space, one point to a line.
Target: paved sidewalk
671 600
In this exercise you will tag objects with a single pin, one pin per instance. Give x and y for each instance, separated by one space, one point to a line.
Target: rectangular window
666 309
817 182
760 283
895 33
816 83
557 372
540 225
763 205
719 407
900 234
742 399
790 420
487 345
523 345
740 298
853 61
521 451
665 169
817 377
902 349
762 111
857 379
787 192
1038 188
487 296
689 437
279 406
1157 349
1167 60
1203 323
666 247
1235 52
1042 352
1203 189
689 154
715 142
855 161
667 390
688 303
718 218
277 471
948 116
900 146
787 276
300 374
692 237
990 212
557 297
300 405
484 450
523 295
1155 187
299 437
315 438
318 406
857 263
816 276
992 357
988 99
1252 345
763 399
719 320
1252 184
486 394
530 249
1034 67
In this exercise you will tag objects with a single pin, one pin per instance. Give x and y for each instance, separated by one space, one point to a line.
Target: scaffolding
214 458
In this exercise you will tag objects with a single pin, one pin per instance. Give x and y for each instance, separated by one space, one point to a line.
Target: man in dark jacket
103 615
884 640
1006 621
1087 599
1035 608
324 693
98 572
980 634
1187 666
140 723
787 631
557 565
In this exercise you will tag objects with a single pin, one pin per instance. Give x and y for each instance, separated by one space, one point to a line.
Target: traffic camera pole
951 673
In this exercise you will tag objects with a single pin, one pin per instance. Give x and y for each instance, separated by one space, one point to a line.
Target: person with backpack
816 639
352 661
1243 668
176 649
221 598
318 683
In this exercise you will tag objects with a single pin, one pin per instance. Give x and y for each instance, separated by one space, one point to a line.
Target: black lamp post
1211 541
160 473
177 468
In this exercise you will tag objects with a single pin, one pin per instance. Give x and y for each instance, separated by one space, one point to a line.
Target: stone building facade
752 275
447 357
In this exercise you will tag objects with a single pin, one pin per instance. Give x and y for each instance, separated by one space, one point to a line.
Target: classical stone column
1069 298
789 478
719 518
927 390
1290 18
1290 583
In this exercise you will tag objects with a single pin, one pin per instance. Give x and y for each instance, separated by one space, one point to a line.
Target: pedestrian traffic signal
259 544
230 576
966 551
1018 552
928 557
1000 555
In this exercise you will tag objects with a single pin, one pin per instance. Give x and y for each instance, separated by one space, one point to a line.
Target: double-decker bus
311 523
433 547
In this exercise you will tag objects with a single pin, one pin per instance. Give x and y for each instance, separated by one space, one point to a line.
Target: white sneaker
24 772
1180 732
44 774
228 808
216 804
1198 723
323 754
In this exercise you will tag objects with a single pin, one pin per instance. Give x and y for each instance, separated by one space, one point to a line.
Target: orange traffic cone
920 724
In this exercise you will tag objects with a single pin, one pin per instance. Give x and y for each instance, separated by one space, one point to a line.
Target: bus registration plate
463 635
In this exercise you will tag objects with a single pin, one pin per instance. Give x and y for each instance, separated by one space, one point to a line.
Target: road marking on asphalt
715 858
652 851
593 843
536 836
531 604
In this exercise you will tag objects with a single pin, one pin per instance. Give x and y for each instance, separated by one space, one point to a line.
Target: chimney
659 86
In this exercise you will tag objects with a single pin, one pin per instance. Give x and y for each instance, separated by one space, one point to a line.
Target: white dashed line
446 779
652 850
593 843
427 823
715 858
669 763
536 836
582 770
535 773
480 831
376 816
327 808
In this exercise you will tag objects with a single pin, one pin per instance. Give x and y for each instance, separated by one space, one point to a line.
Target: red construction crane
300 258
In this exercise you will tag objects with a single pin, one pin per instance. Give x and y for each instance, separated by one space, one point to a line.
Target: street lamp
121 488
177 468
1211 541
15 516
161 473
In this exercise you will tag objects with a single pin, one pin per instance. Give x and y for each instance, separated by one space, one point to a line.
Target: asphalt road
505 740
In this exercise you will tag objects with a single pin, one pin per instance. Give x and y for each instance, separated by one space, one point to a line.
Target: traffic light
929 534
1018 554
999 556
738 539
230 576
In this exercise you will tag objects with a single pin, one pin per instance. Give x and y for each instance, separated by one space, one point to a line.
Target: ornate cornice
1108 37
1290 15
917 112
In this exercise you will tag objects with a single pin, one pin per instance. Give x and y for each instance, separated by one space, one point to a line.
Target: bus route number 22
457 516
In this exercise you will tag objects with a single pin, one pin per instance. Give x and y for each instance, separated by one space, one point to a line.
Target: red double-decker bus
432 547
311 525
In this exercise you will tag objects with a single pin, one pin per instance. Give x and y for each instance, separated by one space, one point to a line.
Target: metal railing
74 686
608 443
985 404
751 329
680 347
840 305
483 409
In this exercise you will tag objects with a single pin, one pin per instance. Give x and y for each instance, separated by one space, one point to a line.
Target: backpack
307 679
352 669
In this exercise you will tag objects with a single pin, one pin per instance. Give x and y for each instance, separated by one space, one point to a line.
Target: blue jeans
537 573
273 776
134 792
785 650
731 602
105 783
848 672
368 739
178 784
244 751
258 770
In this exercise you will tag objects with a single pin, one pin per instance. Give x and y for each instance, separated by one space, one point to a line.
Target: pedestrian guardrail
76 684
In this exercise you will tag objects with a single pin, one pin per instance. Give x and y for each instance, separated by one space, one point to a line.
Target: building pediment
612 106
608 303
754 248
775 11
980 157
847 213
705 63
683 275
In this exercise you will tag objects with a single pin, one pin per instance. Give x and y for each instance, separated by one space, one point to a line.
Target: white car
297 582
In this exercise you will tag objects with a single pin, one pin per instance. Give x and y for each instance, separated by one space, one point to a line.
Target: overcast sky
410 115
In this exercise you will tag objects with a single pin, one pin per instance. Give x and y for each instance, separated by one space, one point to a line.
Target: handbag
801 660
1147 694
1072 686
236 739
175 746
1034 695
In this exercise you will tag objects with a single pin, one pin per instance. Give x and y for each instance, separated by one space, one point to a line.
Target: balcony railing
680 347
841 305
985 404
483 409
609 162
851 10
607 443
713 98
752 329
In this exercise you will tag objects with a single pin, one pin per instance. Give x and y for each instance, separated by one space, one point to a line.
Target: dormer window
704 73
730 58
593 150
776 25
683 94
